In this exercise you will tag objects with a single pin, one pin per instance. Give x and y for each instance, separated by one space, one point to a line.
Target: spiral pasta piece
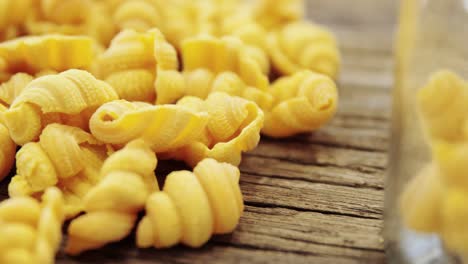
66 157
172 86
12 14
443 105
233 127
73 17
68 98
303 102
132 61
140 15
273 13
421 201
192 207
52 52
7 148
302 45
164 127
454 229
127 181
13 87
225 54
31 232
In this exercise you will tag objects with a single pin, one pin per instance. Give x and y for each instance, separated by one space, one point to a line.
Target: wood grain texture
312 198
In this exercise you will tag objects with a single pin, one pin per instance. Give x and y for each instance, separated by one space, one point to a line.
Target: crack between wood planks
331 145
299 209
322 164
298 252
276 176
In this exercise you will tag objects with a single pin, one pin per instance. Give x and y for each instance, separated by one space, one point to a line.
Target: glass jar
432 35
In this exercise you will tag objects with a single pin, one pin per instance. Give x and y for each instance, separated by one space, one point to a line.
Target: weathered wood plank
267 235
297 152
271 167
310 196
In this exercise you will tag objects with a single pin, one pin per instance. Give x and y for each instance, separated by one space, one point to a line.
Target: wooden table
315 198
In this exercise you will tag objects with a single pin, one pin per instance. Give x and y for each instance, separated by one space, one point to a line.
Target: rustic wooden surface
315 198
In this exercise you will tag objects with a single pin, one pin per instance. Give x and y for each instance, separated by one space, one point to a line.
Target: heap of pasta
94 93
435 200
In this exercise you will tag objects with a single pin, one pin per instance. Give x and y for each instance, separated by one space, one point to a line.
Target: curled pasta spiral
12 14
233 127
163 127
226 54
303 102
301 45
273 13
7 148
443 104
68 98
36 53
72 17
132 61
12 88
31 232
192 207
140 15
172 86
66 157
127 181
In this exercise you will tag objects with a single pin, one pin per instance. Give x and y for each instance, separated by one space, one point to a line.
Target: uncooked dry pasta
443 105
13 87
31 231
164 127
303 102
66 98
72 17
132 62
225 54
7 148
303 46
233 127
12 14
192 206
66 157
127 181
172 86
434 201
92 90
50 52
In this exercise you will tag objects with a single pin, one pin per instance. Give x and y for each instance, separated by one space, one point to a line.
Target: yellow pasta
127 181
435 200
303 102
72 17
276 13
454 228
443 104
233 127
31 232
66 157
164 127
51 52
132 61
12 14
140 15
421 201
225 54
302 45
192 207
172 86
65 98
13 87
7 148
